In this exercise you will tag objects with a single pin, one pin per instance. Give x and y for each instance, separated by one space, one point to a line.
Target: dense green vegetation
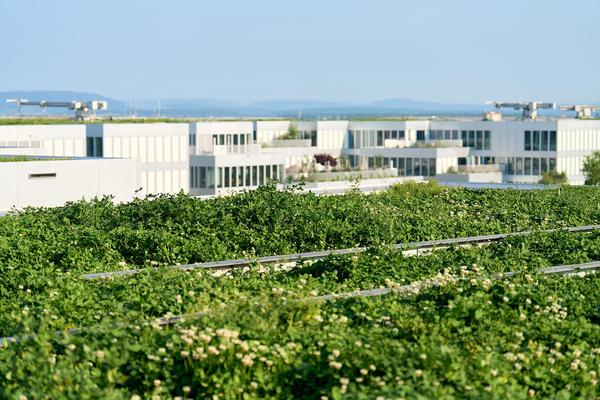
554 177
591 168
262 334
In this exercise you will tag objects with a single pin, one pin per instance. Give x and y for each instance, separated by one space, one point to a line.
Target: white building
219 157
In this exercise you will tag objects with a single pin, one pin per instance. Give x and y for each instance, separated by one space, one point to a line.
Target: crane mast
83 110
529 109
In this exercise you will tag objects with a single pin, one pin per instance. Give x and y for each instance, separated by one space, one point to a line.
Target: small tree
591 168
291 134
553 177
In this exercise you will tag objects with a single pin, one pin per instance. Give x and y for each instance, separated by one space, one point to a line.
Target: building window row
231 177
94 147
443 135
540 141
372 138
479 140
529 165
232 139
406 166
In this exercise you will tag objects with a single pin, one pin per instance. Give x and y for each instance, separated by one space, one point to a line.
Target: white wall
74 179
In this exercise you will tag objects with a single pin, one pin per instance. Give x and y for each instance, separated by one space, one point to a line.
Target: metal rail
589 267
227 265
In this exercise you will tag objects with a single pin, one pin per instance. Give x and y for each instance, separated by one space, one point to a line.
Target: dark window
233 176
313 138
248 176
409 167
226 177
192 176
527 140
202 177
420 135
432 165
394 135
400 166
552 146
544 146
535 167
479 141
535 141
351 139
462 161
235 140
261 175
464 137
552 164
386 134
471 140
544 165
487 140
527 166
454 135
89 152
510 166
400 134
379 138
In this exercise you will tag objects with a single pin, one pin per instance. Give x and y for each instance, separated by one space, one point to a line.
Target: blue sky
342 50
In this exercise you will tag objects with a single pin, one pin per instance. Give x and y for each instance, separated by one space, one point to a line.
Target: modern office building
218 157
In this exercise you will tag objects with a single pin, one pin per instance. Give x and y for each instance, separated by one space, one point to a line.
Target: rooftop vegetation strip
589 267
226 265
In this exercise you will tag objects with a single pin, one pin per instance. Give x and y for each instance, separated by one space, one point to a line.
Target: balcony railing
224 149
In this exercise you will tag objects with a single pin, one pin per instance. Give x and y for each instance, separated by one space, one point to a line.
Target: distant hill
208 107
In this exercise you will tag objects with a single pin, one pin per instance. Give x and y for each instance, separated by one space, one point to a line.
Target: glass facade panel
409 167
552 164
544 165
487 140
527 144
535 166
479 140
432 166
226 177
527 170
535 141
401 168
544 145
248 177
552 141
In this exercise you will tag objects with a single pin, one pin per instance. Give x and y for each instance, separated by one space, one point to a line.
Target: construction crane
529 108
82 109
583 112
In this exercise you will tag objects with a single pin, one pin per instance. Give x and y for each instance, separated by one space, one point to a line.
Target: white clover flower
135 397
418 373
186 389
157 382
335 365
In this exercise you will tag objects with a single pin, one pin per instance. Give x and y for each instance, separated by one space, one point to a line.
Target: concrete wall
54 182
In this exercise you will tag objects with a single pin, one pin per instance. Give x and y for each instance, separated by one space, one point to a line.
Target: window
242 139
544 165
432 165
386 162
313 138
471 140
210 177
464 137
235 140
221 139
544 146
394 135
510 167
400 134
254 175
479 140
487 140
417 166
527 140
420 135
535 141
462 161
519 166
400 166
275 174
386 134
202 177
233 176
226 176
535 167
527 166
261 175
552 164
240 176
351 139
192 176
409 167
219 177
248 177
89 150
454 135
552 145
379 138
268 173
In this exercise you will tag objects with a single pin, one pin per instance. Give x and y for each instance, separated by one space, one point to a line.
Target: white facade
215 157
54 182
